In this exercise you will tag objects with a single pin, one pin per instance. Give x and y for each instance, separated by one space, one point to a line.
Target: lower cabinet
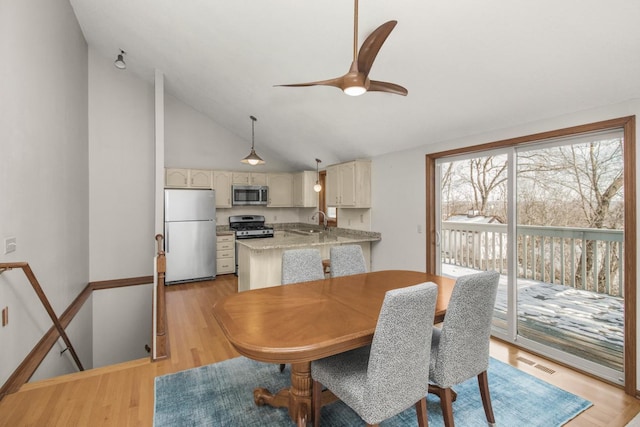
226 253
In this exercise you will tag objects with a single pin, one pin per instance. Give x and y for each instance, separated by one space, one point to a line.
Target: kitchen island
260 260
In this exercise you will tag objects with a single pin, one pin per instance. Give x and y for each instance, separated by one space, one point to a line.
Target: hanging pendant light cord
253 121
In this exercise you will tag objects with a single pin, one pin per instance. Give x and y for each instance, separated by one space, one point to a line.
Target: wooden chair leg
316 402
446 403
483 383
421 412
447 396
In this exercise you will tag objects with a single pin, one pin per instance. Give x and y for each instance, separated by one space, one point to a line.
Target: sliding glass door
473 220
570 245
550 217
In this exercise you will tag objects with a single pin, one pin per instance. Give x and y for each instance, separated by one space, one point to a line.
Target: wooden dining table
303 322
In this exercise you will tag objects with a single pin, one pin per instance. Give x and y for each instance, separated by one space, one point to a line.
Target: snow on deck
584 323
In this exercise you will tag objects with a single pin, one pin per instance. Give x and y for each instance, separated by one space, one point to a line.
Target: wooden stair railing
45 302
161 344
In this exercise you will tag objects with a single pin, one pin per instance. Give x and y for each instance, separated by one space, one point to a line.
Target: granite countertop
309 236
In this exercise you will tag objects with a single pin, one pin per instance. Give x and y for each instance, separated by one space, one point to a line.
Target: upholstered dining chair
346 260
460 350
301 265
391 375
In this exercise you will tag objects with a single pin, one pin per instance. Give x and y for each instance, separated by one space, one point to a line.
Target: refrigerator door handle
166 239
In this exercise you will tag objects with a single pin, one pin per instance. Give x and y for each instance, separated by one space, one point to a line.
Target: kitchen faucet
324 217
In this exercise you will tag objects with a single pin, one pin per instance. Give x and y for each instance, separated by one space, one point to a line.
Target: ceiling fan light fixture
253 159
355 90
354 83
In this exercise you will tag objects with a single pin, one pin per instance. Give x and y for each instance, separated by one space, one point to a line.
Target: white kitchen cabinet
187 178
332 194
249 178
199 178
222 185
349 184
303 194
280 189
178 178
225 253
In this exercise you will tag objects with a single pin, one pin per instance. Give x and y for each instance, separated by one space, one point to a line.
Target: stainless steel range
249 226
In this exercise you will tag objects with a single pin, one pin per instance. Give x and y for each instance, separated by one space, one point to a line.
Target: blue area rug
221 395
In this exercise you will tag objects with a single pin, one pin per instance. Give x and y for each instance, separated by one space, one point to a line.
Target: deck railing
581 258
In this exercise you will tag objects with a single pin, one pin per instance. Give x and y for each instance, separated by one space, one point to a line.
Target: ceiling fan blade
376 86
337 82
371 46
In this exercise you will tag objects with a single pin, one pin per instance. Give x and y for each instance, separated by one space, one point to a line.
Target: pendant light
252 159
317 188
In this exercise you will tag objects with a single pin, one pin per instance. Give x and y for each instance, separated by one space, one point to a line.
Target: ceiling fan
356 81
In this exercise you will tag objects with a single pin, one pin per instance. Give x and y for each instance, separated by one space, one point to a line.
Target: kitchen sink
306 231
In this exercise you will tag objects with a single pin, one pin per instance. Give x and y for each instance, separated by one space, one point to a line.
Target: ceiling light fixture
253 159
355 84
317 188
119 62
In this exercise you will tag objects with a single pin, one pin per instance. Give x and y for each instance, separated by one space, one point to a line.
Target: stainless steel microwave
250 195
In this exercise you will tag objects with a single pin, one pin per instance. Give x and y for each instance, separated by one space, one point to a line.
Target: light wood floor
122 395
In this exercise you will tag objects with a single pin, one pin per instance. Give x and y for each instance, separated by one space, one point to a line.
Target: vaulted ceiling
469 66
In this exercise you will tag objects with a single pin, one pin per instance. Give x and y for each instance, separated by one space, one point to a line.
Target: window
331 211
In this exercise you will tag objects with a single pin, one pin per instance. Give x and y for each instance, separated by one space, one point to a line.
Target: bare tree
486 174
579 184
588 177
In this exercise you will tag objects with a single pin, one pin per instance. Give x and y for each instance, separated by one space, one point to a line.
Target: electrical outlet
419 229
10 245
361 219
275 217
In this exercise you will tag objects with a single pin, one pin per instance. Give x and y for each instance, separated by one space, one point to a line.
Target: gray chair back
462 349
301 265
346 260
398 370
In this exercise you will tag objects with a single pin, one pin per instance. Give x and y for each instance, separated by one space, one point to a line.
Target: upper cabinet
286 190
249 178
280 189
200 178
303 194
222 185
187 178
349 184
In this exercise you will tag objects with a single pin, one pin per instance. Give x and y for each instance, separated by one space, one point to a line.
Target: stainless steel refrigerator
190 235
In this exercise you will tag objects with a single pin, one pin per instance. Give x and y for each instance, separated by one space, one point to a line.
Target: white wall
121 168
193 140
124 326
398 184
398 209
43 175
